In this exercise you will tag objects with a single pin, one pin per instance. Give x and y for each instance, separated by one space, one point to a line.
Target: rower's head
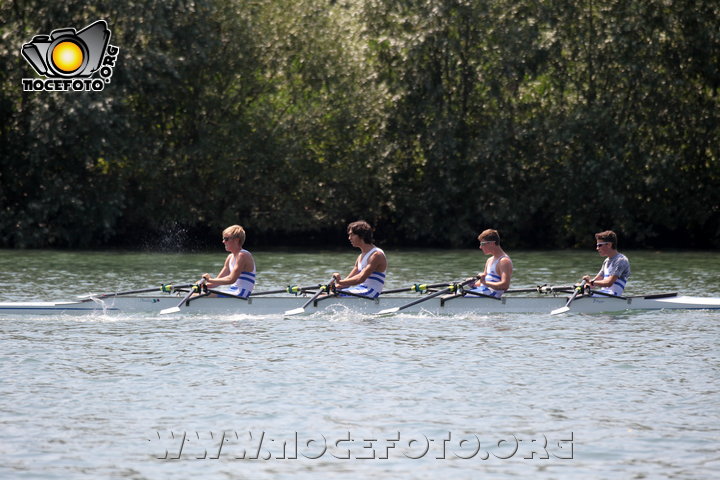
605 239
489 237
234 232
363 230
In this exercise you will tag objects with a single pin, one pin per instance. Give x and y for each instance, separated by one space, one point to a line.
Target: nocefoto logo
69 59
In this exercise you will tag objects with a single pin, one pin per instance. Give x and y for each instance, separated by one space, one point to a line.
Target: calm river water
629 395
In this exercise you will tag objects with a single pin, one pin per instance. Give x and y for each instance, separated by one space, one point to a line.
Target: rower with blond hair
238 272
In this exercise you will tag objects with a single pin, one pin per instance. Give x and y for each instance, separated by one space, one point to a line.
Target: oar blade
433 295
388 311
168 311
566 308
301 310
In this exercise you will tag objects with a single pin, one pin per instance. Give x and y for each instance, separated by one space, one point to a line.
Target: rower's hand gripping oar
298 311
566 308
451 288
195 289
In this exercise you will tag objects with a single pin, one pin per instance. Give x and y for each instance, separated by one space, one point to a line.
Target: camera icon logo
67 54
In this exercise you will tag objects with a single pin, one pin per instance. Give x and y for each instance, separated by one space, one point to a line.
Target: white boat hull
278 305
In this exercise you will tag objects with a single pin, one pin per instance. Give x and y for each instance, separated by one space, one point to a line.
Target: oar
554 289
449 289
605 294
540 289
195 288
223 294
163 288
289 289
566 308
477 294
298 311
350 294
418 287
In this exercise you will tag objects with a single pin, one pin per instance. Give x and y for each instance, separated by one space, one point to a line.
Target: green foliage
432 119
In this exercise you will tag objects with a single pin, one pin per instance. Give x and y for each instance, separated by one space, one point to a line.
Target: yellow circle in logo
67 56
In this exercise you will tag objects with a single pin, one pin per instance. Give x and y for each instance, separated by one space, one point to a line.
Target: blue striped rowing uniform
492 276
245 283
373 285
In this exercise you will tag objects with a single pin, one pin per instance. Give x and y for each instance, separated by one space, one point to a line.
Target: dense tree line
549 120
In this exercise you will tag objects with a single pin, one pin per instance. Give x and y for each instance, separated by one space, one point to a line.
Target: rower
613 276
367 278
239 269
495 279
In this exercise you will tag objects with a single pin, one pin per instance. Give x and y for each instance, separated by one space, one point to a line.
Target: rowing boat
278 304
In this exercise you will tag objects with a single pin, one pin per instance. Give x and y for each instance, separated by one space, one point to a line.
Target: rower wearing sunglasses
615 271
495 279
237 276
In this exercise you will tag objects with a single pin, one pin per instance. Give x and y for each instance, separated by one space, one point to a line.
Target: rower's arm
377 263
599 281
339 281
227 276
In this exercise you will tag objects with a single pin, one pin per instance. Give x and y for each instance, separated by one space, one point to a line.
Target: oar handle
322 289
578 290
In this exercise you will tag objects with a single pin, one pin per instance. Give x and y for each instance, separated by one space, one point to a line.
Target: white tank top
374 284
245 283
493 276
